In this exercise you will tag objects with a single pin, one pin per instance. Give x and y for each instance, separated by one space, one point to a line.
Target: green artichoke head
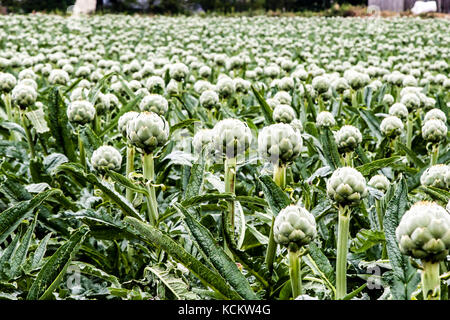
106 157
123 121
147 131
279 143
347 186
379 182
154 103
294 227
283 113
81 112
434 130
436 176
231 137
424 232
348 138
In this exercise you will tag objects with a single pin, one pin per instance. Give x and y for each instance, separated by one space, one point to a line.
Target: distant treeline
179 6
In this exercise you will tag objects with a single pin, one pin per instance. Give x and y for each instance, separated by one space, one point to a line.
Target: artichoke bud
436 176
379 182
283 113
294 227
391 126
348 138
424 232
154 103
231 137
106 157
347 186
434 130
24 95
123 120
81 112
147 131
279 143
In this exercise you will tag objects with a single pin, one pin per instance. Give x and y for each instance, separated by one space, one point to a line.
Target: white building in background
84 7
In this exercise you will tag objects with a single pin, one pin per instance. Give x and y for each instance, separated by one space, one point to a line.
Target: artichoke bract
283 113
279 142
81 112
436 176
348 138
231 137
294 227
424 232
106 157
347 186
147 131
123 121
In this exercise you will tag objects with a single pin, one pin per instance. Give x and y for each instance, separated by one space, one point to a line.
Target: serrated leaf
266 109
209 277
405 278
58 124
275 197
104 186
366 239
54 269
11 218
216 255
37 119
330 149
177 286
40 252
368 168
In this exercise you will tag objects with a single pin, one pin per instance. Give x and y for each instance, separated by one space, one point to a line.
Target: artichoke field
224 158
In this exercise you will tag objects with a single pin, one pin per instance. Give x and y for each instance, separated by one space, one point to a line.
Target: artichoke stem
342 250
295 273
82 151
28 134
409 131
380 223
130 168
279 177
435 154
430 281
230 181
97 126
271 249
7 100
341 101
149 176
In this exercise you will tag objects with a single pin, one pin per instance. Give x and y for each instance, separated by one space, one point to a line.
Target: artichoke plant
424 233
148 131
346 187
279 143
294 228
231 137
122 128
